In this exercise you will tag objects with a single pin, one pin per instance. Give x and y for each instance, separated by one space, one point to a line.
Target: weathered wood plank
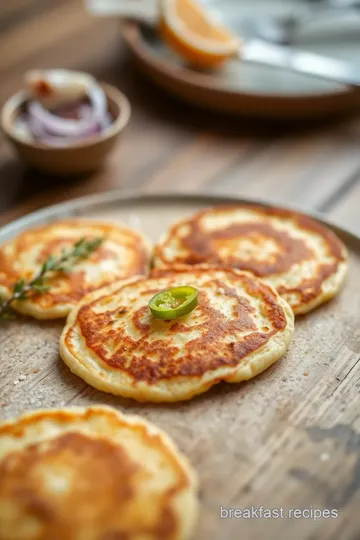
305 170
37 34
18 12
206 157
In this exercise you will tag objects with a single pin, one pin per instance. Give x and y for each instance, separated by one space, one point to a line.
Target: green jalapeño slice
174 303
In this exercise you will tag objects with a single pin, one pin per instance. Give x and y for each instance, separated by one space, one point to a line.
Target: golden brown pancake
124 253
92 474
240 327
303 259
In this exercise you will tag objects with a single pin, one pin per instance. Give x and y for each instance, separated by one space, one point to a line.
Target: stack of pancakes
254 268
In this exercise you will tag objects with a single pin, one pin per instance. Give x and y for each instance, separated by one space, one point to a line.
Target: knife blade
308 63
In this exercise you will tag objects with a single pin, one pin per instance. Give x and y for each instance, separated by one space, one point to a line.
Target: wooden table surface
169 146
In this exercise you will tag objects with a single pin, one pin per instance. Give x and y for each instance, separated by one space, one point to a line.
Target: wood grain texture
290 438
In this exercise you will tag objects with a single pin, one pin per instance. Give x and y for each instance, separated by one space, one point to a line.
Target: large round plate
250 89
152 214
245 439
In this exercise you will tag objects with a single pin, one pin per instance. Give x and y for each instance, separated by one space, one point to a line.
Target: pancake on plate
239 328
304 260
92 474
123 253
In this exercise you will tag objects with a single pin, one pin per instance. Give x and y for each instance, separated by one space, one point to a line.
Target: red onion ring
40 134
66 127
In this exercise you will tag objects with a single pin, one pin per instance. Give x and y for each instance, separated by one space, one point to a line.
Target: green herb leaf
40 288
82 249
64 269
38 280
19 287
49 264
95 244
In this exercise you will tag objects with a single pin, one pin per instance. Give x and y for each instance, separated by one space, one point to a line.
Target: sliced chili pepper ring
174 303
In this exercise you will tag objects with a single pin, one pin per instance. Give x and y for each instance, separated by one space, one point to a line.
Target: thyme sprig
63 263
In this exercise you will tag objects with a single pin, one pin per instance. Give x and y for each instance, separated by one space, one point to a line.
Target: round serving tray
247 441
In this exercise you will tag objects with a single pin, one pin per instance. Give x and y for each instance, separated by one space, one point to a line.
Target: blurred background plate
251 89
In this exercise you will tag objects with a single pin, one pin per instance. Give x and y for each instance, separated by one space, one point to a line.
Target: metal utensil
253 50
285 28
262 52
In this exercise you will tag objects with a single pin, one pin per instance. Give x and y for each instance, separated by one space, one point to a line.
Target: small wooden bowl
81 157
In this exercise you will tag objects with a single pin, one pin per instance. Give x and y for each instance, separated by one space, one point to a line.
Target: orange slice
193 34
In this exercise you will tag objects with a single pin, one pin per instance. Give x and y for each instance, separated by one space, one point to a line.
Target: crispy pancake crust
304 260
240 327
92 474
124 253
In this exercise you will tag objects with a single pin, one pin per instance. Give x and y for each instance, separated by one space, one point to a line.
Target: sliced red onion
66 127
40 134
85 111
99 104
23 129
